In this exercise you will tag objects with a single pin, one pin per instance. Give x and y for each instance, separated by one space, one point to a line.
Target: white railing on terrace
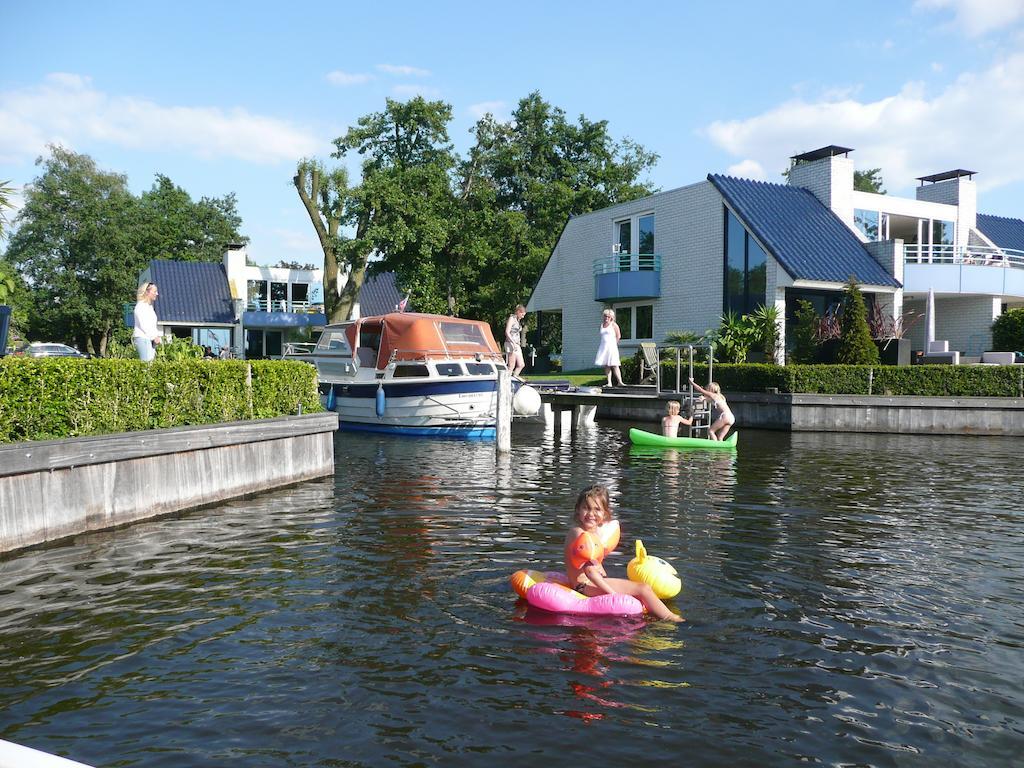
963 254
627 262
283 305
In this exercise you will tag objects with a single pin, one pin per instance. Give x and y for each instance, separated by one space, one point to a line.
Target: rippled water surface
851 599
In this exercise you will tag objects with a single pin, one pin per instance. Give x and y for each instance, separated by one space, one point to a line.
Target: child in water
671 421
719 424
584 553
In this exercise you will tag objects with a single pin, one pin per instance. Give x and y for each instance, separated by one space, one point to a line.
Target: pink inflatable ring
550 592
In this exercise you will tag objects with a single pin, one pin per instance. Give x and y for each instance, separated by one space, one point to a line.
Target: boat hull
640 437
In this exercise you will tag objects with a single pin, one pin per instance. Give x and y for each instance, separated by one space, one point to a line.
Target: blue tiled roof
192 292
1004 232
805 237
379 295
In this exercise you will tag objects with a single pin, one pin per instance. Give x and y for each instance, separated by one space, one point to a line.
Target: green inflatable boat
639 437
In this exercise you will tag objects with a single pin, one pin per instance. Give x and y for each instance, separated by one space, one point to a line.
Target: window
636 321
746 269
258 293
479 369
300 294
643 227
462 333
333 341
624 317
279 297
645 321
407 371
867 223
449 369
942 232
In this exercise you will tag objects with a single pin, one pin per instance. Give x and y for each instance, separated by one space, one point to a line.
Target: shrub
1008 331
805 332
51 398
855 344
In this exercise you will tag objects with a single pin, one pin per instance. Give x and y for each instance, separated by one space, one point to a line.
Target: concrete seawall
827 413
53 489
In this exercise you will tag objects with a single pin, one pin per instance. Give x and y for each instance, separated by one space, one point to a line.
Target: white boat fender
526 401
380 400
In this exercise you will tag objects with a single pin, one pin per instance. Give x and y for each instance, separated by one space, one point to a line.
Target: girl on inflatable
584 552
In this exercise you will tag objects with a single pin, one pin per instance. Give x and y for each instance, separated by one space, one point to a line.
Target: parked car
47 349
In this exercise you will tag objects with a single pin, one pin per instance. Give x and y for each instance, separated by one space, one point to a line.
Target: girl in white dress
608 352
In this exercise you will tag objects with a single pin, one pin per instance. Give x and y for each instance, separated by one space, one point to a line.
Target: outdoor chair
648 362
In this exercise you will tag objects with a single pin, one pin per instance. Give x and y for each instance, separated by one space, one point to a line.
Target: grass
593 377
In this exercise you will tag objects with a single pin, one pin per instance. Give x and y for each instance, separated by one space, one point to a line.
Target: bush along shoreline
883 380
49 399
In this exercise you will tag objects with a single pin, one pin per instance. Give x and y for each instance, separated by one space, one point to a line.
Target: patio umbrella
929 322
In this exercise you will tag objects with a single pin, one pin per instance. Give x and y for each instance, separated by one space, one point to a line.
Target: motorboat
414 374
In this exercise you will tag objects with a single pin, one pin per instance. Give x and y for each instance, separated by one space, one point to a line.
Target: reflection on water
851 599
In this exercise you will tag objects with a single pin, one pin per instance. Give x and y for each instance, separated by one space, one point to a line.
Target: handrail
284 305
627 262
982 255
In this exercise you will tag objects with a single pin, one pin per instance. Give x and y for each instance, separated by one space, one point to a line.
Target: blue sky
227 96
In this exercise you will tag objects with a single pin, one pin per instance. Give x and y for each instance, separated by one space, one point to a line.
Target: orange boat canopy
414 336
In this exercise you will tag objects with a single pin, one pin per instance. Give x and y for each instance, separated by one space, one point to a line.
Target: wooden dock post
503 424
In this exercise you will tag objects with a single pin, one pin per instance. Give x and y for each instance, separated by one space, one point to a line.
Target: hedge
51 398
918 380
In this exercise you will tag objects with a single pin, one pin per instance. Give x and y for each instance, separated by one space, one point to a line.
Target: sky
225 97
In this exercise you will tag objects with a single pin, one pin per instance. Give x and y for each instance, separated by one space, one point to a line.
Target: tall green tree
74 246
855 344
174 226
6 193
869 180
324 194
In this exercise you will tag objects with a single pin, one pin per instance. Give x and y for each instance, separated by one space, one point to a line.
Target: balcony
627 276
978 270
281 313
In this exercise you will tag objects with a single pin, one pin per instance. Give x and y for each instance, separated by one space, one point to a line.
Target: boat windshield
333 340
462 334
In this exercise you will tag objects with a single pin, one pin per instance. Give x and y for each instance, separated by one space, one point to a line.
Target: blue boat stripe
415 389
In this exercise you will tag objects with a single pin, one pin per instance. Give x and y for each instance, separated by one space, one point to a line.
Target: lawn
590 378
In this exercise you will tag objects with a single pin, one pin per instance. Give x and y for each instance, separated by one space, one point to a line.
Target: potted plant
889 335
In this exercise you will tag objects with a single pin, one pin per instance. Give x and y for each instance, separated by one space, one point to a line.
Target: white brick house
662 262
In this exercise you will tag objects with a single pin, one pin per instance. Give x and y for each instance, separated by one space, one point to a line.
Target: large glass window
645 321
624 317
279 297
645 225
746 269
942 232
258 295
867 223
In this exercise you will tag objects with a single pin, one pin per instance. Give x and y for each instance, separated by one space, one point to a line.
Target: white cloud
67 109
337 77
497 108
748 169
977 17
974 123
403 70
409 91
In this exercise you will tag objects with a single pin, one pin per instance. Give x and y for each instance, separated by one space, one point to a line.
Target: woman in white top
146 334
608 352
514 340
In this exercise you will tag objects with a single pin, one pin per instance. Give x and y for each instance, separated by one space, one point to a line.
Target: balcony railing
627 276
627 262
283 305
963 254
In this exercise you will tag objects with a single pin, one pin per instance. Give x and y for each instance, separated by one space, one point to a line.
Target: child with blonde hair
584 553
671 420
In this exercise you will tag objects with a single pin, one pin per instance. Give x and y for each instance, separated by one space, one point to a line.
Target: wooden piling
503 423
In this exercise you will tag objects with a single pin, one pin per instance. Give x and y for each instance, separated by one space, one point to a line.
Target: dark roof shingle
191 292
1004 232
379 295
805 237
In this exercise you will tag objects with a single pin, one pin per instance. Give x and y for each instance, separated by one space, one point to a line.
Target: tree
74 246
869 181
855 344
1008 331
805 332
6 193
173 226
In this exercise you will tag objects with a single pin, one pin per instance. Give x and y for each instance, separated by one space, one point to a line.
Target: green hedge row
919 380
50 398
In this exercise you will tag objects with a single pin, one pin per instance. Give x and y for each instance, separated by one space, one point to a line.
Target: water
851 600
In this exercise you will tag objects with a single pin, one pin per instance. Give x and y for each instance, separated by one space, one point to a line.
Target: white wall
687 235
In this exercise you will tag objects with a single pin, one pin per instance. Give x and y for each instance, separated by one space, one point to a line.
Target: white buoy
526 401
503 422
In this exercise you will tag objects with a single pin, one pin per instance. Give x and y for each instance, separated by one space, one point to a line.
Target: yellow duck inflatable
648 569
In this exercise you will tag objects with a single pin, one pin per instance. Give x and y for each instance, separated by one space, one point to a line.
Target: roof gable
378 294
192 292
1004 232
805 237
